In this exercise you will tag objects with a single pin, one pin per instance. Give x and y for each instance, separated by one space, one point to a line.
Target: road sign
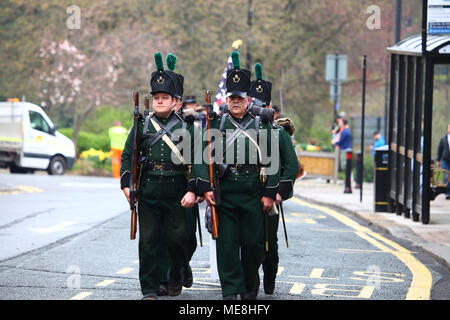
438 19
336 72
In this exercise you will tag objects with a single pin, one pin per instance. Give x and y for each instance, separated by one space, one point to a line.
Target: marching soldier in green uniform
261 90
191 213
246 192
165 186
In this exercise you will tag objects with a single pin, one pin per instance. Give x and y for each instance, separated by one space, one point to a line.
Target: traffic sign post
335 73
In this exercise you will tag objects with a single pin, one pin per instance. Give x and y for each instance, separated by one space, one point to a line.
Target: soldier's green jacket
242 145
289 163
160 152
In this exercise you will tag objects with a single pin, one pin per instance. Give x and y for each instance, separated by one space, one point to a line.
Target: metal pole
386 99
364 64
398 20
281 92
424 26
249 24
336 74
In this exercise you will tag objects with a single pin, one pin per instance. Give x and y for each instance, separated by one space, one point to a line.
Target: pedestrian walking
443 158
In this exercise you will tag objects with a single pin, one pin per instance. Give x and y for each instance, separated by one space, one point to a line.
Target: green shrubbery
87 140
93 147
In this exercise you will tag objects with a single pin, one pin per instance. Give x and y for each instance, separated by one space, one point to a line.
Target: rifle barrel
214 230
134 168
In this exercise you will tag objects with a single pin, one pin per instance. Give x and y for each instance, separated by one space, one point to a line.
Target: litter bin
380 188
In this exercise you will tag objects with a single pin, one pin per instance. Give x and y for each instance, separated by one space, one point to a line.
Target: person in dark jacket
443 157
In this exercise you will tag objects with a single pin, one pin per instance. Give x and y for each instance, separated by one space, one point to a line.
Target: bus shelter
410 188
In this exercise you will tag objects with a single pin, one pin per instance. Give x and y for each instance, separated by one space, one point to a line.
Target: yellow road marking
105 283
422 280
81 296
22 189
280 270
316 273
297 288
322 288
125 271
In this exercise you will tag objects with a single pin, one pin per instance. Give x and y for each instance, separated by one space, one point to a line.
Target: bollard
359 177
348 172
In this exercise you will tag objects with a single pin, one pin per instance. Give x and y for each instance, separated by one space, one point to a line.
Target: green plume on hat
235 59
258 71
159 61
171 61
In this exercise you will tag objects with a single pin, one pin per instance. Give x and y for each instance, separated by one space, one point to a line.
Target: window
38 122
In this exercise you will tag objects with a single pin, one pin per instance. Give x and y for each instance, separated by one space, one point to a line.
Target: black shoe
175 285
447 197
188 278
163 289
269 284
230 297
249 295
150 296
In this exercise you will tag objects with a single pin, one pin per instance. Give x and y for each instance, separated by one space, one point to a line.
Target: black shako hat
190 99
163 80
171 62
259 88
238 80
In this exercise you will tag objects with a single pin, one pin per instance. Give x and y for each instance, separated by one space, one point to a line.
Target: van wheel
57 166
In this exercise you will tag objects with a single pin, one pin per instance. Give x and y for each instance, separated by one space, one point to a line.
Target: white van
29 140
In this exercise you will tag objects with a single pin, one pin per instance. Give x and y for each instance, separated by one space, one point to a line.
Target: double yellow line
420 288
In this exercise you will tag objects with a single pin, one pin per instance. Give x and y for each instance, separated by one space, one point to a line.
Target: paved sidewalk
433 237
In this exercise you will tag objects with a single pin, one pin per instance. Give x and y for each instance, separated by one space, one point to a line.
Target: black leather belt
164 166
240 168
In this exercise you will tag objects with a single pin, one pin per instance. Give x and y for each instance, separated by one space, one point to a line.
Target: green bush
103 118
87 140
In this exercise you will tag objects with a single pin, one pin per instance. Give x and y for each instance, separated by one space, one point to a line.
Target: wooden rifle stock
134 168
214 230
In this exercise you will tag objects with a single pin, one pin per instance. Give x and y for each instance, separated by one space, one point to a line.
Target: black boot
251 295
188 278
163 289
269 284
175 282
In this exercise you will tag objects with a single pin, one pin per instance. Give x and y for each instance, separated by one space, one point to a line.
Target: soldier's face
237 105
163 103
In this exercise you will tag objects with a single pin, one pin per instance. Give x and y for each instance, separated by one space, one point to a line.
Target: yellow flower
92 153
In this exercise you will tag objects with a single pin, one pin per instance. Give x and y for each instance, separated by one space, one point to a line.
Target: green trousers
191 244
162 221
240 243
271 259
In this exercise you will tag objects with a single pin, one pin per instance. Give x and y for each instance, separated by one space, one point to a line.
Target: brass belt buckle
157 166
